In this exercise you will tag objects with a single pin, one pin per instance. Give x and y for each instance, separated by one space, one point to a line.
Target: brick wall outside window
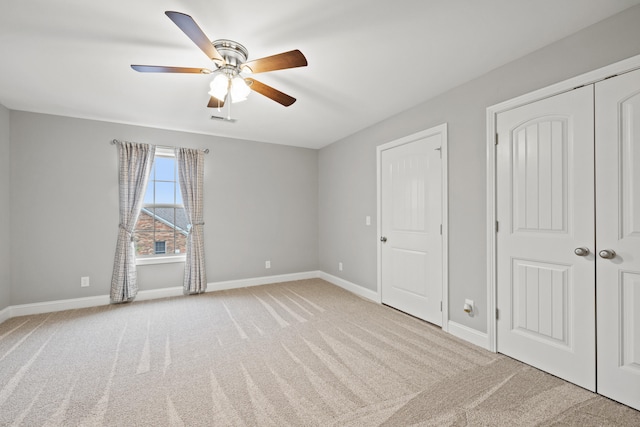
145 238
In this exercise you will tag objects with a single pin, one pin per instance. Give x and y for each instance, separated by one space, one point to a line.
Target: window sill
160 259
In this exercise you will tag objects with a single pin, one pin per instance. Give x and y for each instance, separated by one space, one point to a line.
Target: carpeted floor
301 353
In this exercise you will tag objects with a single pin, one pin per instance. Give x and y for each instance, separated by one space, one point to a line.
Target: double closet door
568 243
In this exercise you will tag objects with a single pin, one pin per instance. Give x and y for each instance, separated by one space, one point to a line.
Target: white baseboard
59 305
95 301
228 284
351 287
468 334
257 281
5 314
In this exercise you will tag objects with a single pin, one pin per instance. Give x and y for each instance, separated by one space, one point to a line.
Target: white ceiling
368 59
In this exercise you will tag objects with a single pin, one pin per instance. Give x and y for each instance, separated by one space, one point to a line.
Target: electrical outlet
267 264
468 307
340 266
84 282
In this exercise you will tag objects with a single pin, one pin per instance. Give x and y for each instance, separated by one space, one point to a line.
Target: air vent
223 119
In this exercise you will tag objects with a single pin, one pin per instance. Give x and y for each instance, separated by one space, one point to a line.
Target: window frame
164 247
166 257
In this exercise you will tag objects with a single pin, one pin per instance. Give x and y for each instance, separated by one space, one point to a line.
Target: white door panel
618 229
560 186
546 293
411 214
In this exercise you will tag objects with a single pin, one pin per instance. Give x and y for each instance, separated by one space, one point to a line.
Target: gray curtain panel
191 172
135 162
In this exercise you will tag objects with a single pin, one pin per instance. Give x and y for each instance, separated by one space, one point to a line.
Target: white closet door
618 230
545 199
411 215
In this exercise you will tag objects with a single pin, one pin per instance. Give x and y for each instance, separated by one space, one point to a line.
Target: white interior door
411 218
545 199
618 230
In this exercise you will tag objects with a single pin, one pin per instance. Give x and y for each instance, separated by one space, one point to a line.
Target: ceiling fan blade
193 31
281 61
163 69
215 103
269 92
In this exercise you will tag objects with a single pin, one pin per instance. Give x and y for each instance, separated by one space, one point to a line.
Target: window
161 229
161 248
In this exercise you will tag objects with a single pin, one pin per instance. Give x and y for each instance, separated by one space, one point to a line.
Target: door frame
436 130
588 78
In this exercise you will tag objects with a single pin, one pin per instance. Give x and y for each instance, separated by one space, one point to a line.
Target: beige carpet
300 353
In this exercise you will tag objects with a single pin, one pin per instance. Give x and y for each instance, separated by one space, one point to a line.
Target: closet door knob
607 254
383 239
581 251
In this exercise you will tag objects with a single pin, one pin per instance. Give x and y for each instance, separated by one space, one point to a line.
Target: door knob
581 251
607 253
383 239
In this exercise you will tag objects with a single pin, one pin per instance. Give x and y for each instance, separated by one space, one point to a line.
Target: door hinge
441 306
496 141
497 226
497 314
441 229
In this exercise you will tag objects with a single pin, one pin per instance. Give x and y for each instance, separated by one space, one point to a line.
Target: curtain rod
115 141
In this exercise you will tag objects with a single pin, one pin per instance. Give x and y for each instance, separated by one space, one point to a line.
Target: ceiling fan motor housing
234 55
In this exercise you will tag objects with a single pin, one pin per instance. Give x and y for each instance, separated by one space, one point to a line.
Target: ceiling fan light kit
239 89
230 60
228 79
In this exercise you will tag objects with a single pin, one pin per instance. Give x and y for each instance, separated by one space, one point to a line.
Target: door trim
590 77
436 130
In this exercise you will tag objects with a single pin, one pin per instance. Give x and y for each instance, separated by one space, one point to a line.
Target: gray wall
347 180
5 176
260 204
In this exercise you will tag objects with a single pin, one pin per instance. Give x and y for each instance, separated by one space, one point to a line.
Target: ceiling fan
230 59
